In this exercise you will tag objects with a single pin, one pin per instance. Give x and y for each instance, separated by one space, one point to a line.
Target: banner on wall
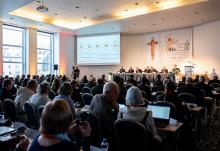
170 46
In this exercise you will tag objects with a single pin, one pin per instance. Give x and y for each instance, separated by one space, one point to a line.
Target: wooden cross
152 43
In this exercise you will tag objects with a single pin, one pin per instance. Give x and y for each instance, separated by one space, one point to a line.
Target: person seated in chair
131 70
153 70
190 88
135 110
91 83
207 89
105 106
56 127
122 70
132 81
147 69
164 70
7 92
138 70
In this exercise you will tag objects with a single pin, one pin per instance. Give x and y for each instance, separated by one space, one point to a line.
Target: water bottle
104 144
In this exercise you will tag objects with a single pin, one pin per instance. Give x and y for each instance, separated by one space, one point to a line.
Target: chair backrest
215 85
95 129
86 90
40 110
87 98
96 90
187 98
10 110
130 135
81 85
31 115
171 105
1 106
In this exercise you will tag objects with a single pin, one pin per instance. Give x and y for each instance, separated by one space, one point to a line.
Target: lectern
189 71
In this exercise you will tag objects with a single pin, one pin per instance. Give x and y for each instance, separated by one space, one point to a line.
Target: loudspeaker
55 67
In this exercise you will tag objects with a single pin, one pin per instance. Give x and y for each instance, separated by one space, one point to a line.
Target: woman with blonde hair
56 125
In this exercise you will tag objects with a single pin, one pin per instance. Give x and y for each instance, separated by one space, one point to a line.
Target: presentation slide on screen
98 50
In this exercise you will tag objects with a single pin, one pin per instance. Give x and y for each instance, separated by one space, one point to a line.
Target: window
44 53
13 50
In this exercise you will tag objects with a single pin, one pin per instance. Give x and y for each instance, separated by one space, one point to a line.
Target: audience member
84 79
76 72
145 87
132 81
76 96
56 125
153 70
7 92
204 87
27 92
41 98
138 70
190 88
214 80
91 83
147 69
196 80
55 86
159 83
65 94
106 108
122 89
135 110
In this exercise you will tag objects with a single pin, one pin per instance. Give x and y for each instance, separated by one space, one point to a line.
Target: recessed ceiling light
77 7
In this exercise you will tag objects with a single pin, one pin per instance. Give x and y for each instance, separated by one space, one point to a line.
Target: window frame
51 51
23 46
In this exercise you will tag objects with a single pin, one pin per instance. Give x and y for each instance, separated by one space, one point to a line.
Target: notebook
161 115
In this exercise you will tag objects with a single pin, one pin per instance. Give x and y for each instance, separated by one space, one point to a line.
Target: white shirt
22 97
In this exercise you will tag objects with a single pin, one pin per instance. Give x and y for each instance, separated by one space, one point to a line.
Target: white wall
206 42
1 49
207 46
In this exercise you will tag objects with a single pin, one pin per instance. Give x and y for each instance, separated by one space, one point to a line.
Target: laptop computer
161 114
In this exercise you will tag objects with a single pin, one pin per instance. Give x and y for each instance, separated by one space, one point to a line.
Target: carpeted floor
211 141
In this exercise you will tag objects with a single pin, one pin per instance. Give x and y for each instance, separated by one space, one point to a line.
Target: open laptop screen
160 112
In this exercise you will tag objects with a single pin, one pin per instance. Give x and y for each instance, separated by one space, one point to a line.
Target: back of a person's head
215 77
109 86
32 83
66 89
55 84
144 80
100 81
24 82
202 79
183 78
170 86
56 117
43 88
6 83
158 76
134 97
189 80
116 79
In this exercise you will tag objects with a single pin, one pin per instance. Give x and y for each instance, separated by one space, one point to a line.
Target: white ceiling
99 10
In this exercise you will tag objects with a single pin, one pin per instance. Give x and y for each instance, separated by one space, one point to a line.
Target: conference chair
81 85
215 85
1 106
95 129
31 116
86 90
40 110
187 98
96 90
130 135
87 98
10 110
171 105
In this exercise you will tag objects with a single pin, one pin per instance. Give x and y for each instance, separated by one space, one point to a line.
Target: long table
138 76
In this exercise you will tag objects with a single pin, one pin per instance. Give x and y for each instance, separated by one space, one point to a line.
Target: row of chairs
10 112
